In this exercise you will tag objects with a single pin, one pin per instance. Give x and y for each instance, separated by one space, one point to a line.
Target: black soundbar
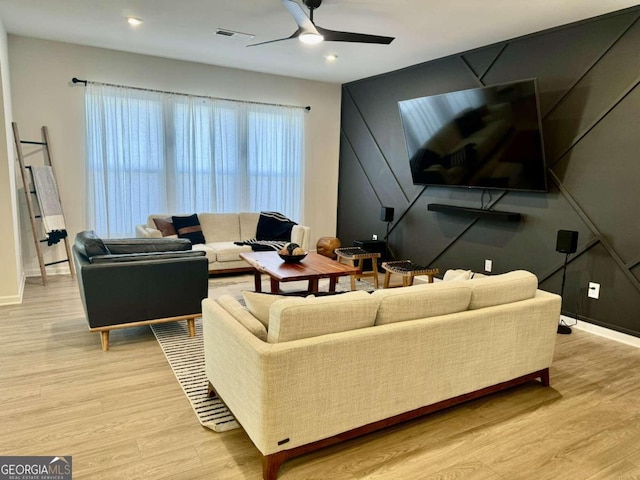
475 212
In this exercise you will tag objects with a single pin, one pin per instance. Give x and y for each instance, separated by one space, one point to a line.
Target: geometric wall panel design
588 75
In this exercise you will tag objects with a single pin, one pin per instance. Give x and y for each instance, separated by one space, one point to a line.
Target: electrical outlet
374 237
487 265
594 290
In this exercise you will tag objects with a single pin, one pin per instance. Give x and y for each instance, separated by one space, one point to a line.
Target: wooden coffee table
312 268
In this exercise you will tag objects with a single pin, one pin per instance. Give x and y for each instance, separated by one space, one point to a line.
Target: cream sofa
301 374
220 231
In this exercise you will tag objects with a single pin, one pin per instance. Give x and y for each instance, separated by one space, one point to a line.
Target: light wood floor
122 415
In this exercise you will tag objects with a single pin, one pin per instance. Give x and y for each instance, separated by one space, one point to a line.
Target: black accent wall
588 75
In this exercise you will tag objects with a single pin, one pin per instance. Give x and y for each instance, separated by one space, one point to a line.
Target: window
152 152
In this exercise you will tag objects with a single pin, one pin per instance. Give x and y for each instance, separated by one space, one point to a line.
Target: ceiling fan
310 33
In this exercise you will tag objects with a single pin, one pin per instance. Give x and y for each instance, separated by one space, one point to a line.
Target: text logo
35 468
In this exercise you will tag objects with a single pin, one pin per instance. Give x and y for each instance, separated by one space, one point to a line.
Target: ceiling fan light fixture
134 21
311 38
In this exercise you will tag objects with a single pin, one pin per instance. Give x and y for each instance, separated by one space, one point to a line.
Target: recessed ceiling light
331 57
134 21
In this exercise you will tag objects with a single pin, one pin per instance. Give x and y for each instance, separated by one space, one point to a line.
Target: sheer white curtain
152 152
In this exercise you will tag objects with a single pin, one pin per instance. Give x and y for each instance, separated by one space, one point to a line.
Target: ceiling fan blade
336 36
299 16
305 25
294 35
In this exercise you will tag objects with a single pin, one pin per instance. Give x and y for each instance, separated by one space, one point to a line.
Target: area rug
186 354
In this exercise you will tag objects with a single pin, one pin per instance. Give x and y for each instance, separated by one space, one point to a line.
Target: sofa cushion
165 225
242 315
500 289
228 251
208 251
248 225
259 304
456 275
296 318
220 227
89 244
421 301
189 227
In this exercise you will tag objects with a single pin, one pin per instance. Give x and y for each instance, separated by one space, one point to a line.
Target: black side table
374 246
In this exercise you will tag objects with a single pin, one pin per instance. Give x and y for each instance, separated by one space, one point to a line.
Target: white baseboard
15 299
53 270
602 331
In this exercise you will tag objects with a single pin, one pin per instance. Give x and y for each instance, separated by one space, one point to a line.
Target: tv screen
487 137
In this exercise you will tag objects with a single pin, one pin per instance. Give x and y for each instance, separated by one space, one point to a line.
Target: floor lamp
386 215
567 242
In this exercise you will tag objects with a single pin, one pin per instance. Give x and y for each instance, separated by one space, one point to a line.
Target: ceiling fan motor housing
312 4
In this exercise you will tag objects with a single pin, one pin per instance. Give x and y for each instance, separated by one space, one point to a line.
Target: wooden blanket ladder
30 192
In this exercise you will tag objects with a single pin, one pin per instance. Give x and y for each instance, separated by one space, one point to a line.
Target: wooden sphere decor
327 245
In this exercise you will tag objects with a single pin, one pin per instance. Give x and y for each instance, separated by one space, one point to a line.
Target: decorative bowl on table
292 253
292 258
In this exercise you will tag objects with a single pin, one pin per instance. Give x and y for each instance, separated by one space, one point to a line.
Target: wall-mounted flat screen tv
487 137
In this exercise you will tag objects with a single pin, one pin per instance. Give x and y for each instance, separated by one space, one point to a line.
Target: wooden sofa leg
544 377
191 323
104 340
271 464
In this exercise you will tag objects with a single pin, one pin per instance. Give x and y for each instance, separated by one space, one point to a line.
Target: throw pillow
189 227
165 225
274 226
259 304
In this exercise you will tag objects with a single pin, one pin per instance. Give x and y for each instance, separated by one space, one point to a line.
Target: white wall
11 280
43 94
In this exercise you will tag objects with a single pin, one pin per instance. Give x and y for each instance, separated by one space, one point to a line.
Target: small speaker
567 241
386 214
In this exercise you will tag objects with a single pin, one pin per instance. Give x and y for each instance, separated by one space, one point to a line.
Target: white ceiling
185 29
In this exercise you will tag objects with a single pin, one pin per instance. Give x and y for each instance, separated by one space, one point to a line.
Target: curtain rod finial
307 108
77 80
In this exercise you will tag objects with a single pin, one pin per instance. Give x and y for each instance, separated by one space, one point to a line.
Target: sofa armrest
143 231
235 366
301 235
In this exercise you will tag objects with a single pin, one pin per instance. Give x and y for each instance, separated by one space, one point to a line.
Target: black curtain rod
75 80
